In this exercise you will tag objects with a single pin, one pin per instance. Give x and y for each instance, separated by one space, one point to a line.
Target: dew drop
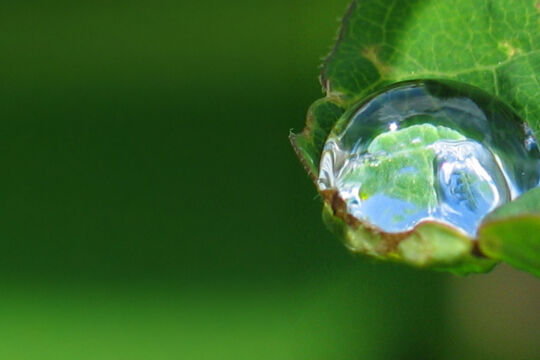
429 150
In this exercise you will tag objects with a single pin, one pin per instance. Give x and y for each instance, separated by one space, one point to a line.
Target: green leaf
514 241
321 117
491 44
429 245
512 233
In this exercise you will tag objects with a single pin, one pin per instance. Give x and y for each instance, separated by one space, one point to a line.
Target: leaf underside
491 44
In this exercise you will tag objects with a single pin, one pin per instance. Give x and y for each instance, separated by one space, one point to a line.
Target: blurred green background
152 207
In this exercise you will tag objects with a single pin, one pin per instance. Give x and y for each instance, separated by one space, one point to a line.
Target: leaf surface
491 44
512 233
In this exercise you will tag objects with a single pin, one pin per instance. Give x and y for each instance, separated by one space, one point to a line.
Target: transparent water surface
429 150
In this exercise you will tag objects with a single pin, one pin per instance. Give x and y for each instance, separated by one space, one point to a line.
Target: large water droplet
429 150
